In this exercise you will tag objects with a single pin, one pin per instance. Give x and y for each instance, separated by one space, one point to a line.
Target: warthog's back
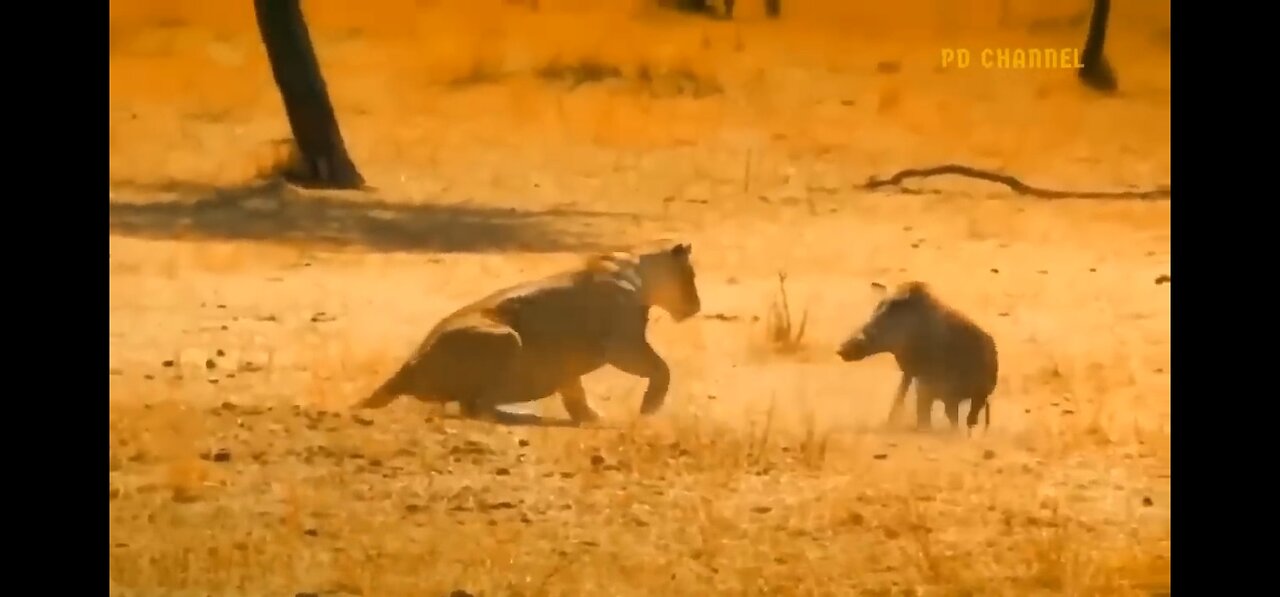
956 354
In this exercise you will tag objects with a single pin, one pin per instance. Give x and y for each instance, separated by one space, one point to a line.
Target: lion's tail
384 395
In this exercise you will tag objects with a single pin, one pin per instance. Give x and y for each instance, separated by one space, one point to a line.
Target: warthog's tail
987 424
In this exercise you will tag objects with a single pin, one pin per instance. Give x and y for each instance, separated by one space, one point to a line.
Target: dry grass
244 319
785 335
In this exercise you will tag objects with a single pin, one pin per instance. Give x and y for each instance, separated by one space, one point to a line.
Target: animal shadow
274 211
518 418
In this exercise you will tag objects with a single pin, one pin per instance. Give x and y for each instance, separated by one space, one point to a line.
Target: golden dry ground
504 141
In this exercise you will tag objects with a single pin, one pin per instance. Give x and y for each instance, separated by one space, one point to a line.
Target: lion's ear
682 250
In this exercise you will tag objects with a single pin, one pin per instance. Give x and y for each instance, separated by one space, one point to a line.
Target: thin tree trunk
698 6
1095 71
773 8
323 153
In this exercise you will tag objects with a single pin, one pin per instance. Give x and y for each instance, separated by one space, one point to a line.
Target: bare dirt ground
504 142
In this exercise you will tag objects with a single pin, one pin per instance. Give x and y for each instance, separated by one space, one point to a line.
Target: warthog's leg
924 406
575 402
953 411
976 406
899 397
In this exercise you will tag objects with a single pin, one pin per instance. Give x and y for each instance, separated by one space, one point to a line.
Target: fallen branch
1012 182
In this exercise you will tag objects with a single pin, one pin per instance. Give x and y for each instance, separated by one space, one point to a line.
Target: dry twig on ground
1014 184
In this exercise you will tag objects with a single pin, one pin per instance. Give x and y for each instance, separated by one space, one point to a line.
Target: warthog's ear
878 289
682 250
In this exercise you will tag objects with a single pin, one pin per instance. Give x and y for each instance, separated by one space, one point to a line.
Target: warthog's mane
915 290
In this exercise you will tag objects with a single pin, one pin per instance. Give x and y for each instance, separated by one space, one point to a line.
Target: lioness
526 342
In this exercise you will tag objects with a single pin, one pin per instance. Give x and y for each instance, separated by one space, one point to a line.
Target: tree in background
772 8
322 154
1095 71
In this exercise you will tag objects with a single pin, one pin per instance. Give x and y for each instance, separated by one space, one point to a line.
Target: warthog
948 356
526 342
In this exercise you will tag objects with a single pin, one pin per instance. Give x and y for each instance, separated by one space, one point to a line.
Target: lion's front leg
641 360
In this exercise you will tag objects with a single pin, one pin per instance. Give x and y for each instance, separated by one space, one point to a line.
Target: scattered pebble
880 456
184 496
167 363
221 455
359 420
988 454
1162 279
888 67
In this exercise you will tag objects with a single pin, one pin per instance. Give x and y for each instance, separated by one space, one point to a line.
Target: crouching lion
526 342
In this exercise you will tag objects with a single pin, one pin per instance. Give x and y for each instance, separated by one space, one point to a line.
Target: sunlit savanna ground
243 325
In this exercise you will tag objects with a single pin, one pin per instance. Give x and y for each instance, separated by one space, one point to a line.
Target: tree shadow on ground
275 212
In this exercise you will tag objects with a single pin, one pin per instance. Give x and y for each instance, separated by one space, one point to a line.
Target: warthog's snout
853 349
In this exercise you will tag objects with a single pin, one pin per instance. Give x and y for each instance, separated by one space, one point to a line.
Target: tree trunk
323 154
696 6
773 8
1095 71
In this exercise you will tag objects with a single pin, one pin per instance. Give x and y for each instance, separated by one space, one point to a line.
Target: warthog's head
897 318
667 277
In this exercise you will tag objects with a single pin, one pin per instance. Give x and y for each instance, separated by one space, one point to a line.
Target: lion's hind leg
574 397
476 363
